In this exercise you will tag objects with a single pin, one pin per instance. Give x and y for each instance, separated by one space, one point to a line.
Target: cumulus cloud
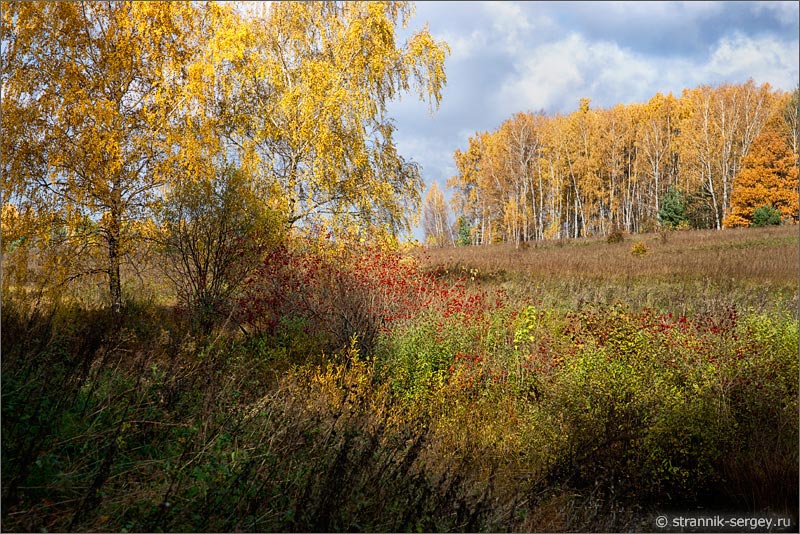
765 59
555 76
509 24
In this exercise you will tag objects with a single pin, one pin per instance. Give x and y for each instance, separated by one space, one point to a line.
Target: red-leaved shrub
348 289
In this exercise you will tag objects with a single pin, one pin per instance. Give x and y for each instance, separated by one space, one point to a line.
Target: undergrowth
449 406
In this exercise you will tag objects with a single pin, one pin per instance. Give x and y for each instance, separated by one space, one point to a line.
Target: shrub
416 358
766 216
616 236
639 249
214 233
348 289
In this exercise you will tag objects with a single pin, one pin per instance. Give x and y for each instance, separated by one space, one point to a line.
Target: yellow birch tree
310 117
89 93
435 219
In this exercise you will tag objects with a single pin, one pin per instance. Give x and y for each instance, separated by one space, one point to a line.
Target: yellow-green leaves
313 99
93 90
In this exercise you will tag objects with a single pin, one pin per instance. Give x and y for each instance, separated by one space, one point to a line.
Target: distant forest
715 157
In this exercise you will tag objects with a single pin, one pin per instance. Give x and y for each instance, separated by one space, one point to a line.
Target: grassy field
679 272
570 386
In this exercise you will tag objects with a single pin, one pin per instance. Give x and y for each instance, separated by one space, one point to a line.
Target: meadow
689 271
577 385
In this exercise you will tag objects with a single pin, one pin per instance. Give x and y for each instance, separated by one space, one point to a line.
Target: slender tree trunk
114 231
114 284
540 220
714 202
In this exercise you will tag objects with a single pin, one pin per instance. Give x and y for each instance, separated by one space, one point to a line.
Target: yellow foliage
314 91
99 140
553 176
435 218
11 228
769 177
639 249
133 97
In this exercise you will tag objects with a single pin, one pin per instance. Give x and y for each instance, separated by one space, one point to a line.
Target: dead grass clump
616 236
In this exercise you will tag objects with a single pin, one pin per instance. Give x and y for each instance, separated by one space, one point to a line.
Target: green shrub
416 358
766 216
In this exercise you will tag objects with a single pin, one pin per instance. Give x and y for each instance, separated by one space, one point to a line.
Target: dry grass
755 267
745 254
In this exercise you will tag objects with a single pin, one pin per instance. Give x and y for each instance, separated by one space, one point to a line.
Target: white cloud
555 76
509 24
506 16
463 47
764 59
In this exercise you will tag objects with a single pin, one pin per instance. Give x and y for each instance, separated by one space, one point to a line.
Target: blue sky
528 56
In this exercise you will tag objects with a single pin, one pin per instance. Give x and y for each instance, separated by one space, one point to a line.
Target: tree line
710 158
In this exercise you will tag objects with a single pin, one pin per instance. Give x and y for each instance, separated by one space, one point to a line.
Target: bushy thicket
461 413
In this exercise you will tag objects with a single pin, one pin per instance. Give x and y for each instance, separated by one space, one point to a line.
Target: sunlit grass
681 271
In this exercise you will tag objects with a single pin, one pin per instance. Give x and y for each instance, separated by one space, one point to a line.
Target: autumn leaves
726 150
108 107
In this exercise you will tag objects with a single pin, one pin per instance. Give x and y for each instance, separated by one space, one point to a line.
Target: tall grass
493 395
681 271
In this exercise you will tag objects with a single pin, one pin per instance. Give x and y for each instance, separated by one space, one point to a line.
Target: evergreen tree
673 208
766 216
463 237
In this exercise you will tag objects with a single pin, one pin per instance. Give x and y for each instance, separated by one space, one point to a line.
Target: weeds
461 401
